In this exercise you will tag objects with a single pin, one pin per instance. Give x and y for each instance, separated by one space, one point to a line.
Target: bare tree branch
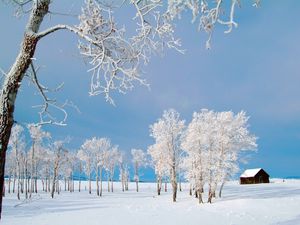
45 112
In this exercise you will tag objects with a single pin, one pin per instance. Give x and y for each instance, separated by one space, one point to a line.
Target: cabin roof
250 172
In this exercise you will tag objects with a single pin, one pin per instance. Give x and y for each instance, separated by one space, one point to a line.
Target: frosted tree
113 158
70 162
95 153
235 138
213 142
59 153
17 146
46 168
167 132
197 143
87 156
115 60
37 135
101 146
158 161
124 171
138 160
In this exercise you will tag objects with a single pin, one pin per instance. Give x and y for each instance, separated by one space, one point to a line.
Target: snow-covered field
274 203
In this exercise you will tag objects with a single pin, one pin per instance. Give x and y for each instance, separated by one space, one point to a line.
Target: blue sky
255 68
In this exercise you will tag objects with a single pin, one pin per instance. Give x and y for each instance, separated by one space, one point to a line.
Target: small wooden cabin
254 176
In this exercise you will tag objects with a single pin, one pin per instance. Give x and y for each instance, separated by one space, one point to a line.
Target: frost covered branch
116 60
46 116
209 13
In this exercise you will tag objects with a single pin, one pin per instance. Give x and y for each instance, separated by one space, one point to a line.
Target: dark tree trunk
90 183
100 181
221 188
180 188
14 183
136 176
200 196
158 185
97 180
174 182
9 181
35 180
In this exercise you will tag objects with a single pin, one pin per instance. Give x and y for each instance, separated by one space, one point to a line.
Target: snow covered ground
274 203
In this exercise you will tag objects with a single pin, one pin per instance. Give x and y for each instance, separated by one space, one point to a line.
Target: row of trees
52 163
206 151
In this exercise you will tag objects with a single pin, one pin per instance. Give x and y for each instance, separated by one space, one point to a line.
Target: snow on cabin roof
250 172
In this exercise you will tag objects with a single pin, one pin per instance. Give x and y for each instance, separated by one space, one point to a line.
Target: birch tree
113 158
17 145
102 146
138 160
213 143
58 155
124 172
161 168
37 135
167 132
115 60
87 157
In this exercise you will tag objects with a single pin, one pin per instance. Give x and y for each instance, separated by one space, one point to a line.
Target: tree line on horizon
206 151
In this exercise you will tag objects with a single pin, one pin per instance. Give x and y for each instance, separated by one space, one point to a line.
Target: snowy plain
260 204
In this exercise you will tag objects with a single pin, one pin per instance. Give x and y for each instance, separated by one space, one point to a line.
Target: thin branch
48 102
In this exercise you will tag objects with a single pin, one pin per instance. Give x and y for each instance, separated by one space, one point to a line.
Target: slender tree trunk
22 186
97 180
14 183
53 187
100 181
26 187
80 172
211 194
49 183
159 181
55 181
32 170
126 184
57 186
90 184
180 189
174 183
79 184
36 178
9 181
65 184
199 196
191 190
112 179
221 188
136 176
166 186
72 181
46 184
18 188
108 186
